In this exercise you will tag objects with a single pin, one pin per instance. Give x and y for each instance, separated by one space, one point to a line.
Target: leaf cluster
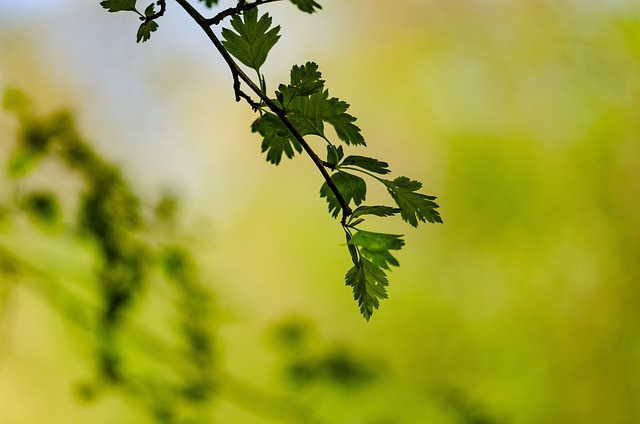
291 117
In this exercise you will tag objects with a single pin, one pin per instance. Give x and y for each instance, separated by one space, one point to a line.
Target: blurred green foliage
524 308
109 222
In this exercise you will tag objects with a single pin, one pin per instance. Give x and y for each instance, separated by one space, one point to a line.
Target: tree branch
241 7
163 8
238 74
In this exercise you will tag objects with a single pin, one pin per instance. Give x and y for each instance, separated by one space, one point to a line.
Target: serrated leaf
277 139
149 11
376 246
370 164
343 123
334 154
145 30
308 114
305 80
209 3
356 222
253 40
119 5
369 284
381 211
352 188
308 6
414 206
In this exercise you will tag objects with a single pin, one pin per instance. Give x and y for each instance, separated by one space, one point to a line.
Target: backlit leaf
253 39
145 30
277 139
308 6
414 206
370 164
352 188
119 5
376 246
369 284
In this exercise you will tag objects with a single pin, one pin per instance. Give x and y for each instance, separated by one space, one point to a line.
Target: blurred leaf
42 207
341 367
166 209
209 3
22 161
308 6
14 100
292 335
177 263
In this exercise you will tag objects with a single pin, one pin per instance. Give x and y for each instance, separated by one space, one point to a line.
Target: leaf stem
238 74
349 168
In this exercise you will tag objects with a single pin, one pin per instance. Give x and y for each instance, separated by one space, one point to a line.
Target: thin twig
241 7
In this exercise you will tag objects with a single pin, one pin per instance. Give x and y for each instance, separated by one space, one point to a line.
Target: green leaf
352 188
376 246
308 6
253 40
334 154
305 81
353 251
149 11
414 206
307 114
209 3
277 139
370 164
343 123
381 211
145 30
119 5
369 285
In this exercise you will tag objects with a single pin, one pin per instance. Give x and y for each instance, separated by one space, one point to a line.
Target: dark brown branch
238 74
241 7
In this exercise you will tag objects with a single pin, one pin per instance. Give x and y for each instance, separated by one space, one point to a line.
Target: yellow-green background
521 116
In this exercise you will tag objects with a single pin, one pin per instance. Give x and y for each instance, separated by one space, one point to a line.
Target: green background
521 116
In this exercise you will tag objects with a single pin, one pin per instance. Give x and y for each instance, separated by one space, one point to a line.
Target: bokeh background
521 116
